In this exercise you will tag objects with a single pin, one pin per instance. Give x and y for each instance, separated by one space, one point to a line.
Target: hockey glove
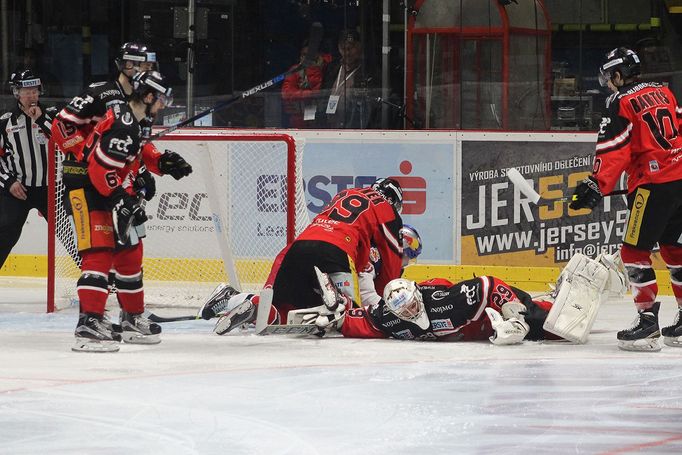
126 211
509 331
175 165
320 316
144 183
586 195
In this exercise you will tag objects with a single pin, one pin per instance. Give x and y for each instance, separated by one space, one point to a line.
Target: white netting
243 180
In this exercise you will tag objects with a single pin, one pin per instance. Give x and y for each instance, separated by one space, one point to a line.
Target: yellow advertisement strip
636 215
532 279
81 218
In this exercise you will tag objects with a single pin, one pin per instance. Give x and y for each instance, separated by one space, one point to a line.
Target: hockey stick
520 182
311 55
262 327
160 319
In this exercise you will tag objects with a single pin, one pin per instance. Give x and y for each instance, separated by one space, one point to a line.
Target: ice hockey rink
198 393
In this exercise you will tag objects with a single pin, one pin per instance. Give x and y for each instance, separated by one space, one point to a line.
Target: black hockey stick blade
160 319
313 48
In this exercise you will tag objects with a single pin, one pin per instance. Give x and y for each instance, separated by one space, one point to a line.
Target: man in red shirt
640 136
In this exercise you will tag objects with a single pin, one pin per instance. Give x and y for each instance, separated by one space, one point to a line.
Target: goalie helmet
412 243
404 299
24 79
391 191
137 53
148 82
620 59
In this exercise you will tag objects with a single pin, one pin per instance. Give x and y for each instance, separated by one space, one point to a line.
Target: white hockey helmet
404 299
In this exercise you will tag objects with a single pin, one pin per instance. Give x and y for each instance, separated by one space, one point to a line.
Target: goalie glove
175 165
509 331
126 211
320 316
144 183
586 195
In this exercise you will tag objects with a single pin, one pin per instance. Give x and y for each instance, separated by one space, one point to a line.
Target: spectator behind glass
300 90
347 100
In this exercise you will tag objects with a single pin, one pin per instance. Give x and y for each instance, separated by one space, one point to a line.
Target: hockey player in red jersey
108 216
336 241
640 136
76 121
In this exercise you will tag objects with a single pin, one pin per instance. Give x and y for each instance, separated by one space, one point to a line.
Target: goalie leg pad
580 291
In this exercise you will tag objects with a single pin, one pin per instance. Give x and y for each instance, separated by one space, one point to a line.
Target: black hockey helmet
620 59
137 53
391 191
148 82
24 79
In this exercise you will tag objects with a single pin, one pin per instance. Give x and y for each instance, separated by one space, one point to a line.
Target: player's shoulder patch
5 116
97 84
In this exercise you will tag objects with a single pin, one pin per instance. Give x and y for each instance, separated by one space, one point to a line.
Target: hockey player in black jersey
76 121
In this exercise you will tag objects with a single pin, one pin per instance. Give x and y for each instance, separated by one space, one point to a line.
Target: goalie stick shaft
313 48
160 319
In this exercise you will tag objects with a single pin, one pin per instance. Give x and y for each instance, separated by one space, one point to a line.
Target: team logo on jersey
470 293
442 325
79 102
120 146
127 119
439 295
653 166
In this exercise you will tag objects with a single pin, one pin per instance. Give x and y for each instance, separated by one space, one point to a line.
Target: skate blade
673 342
139 338
86 345
643 345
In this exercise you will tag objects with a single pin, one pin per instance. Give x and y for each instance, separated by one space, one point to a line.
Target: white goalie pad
618 283
580 291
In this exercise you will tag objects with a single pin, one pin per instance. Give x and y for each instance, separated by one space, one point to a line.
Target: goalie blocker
581 288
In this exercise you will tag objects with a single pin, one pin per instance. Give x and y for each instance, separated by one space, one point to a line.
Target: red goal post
226 222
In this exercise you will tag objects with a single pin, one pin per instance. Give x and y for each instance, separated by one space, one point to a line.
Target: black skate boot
644 334
217 301
244 313
137 329
95 334
673 333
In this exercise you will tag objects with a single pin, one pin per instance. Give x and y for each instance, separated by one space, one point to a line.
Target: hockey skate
137 329
244 313
644 334
672 334
216 303
94 333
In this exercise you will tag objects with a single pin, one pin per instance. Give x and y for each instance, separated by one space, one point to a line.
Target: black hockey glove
586 195
144 183
126 211
175 165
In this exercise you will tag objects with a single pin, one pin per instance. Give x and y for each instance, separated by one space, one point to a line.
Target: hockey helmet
404 299
148 82
391 191
412 243
137 53
24 79
620 59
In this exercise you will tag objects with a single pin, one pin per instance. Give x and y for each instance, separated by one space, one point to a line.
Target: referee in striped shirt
24 132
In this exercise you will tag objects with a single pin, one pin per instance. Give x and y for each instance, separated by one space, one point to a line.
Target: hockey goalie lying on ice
481 308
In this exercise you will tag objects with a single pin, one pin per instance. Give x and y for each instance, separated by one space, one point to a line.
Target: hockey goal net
226 222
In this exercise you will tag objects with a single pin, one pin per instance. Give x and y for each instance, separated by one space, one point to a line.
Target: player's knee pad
579 293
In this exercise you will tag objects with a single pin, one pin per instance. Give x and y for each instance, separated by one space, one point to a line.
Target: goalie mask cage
226 222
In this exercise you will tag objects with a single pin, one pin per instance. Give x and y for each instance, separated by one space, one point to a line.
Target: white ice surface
198 393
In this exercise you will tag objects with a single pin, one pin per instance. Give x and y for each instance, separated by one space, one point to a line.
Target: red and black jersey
115 151
640 136
355 220
76 121
455 312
